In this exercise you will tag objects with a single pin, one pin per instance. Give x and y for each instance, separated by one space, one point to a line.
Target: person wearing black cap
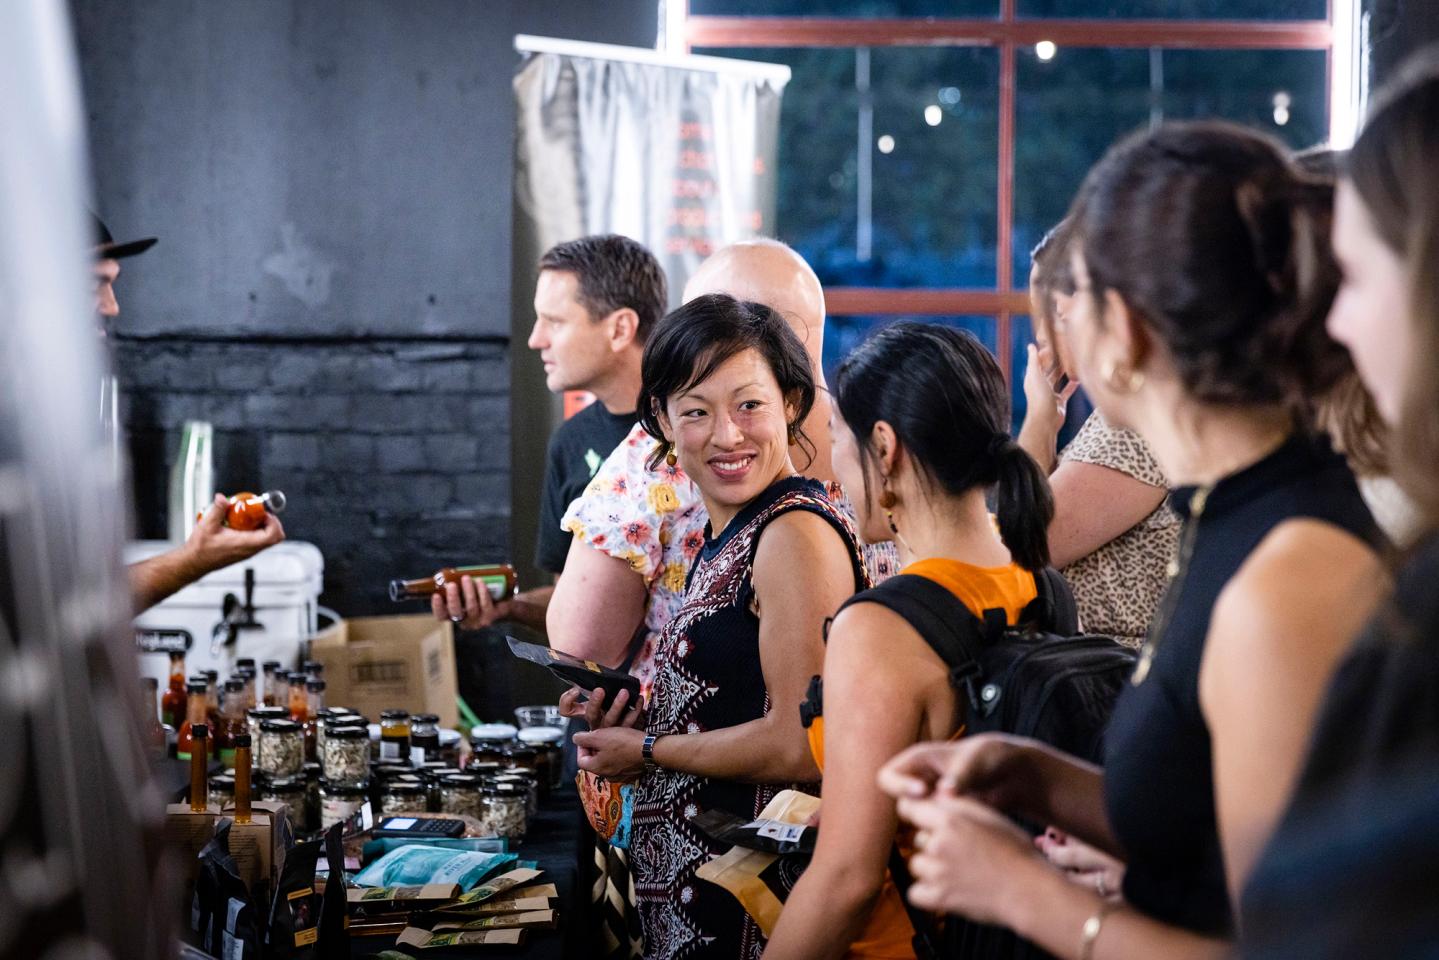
211 545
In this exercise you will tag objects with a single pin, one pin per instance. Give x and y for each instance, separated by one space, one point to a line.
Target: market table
556 842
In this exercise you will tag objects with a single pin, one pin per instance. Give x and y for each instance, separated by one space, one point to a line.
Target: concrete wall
330 180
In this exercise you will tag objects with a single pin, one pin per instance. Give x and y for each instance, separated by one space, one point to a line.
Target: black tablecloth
556 842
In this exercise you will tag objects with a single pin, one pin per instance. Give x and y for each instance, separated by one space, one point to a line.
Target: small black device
585 674
418 827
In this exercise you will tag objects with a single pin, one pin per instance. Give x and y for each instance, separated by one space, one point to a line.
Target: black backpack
1040 679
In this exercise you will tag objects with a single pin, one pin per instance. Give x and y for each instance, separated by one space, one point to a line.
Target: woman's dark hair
943 394
1392 169
1052 275
1213 237
691 342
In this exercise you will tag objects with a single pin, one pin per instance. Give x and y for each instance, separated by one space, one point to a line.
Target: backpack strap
921 922
942 621
1053 609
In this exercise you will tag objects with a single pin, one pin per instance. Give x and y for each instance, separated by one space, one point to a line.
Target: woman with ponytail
919 433
1202 278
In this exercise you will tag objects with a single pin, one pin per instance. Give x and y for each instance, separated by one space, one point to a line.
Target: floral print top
655 520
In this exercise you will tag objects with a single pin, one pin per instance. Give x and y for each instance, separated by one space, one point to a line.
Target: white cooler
288 578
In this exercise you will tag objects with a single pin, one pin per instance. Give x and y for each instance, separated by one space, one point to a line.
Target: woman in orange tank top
920 430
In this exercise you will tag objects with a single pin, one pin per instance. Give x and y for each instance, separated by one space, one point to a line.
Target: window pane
843 334
845 8
1071 108
926 215
1178 9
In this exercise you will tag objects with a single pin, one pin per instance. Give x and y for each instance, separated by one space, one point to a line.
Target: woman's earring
887 502
670 457
1121 379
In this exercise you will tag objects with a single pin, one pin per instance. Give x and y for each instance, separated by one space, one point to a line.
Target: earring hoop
1122 378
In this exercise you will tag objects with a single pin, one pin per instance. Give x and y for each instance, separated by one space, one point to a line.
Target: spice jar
346 757
339 803
394 736
291 791
548 743
222 789
505 813
433 774
450 741
528 783
491 741
424 738
282 748
253 719
521 756
408 795
462 794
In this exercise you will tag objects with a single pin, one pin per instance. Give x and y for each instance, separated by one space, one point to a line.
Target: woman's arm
598 605
802 573
1092 506
875 694
1279 629
977 863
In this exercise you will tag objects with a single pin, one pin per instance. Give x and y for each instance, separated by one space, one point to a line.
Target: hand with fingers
970 859
993 768
212 545
1046 388
591 709
468 605
1085 865
613 747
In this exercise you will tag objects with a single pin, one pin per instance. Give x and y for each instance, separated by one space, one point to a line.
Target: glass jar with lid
253 719
548 743
522 756
424 738
462 794
346 756
292 792
339 802
282 748
394 736
505 811
404 795
222 789
528 783
491 741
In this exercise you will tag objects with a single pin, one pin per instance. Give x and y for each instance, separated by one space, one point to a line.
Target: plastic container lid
448 737
279 726
425 718
394 714
494 731
406 788
346 733
344 789
282 784
267 713
534 735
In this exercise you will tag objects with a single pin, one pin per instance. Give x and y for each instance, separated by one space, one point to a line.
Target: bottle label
389 750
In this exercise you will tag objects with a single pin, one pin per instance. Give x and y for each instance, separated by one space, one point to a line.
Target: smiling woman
726 384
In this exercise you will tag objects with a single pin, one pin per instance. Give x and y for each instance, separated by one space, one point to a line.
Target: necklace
1177 571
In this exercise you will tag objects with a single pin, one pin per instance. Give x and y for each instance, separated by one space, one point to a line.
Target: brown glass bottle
314 703
154 731
198 747
297 701
194 716
172 704
500 578
232 721
242 778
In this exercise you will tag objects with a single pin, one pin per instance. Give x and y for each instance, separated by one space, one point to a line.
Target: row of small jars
539 749
342 743
502 801
311 801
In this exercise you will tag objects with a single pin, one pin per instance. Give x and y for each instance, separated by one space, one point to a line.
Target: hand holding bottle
468 604
213 544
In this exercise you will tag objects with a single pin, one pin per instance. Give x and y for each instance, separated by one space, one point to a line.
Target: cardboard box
186 833
385 663
258 847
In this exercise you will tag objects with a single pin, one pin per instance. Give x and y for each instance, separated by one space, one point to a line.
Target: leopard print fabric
1118 586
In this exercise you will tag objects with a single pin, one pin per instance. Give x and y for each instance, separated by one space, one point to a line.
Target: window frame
1008 32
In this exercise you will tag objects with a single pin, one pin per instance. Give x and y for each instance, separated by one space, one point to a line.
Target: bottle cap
315 686
242 740
200 731
534 735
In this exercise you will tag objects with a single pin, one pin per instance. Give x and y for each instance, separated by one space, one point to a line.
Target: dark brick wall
394 454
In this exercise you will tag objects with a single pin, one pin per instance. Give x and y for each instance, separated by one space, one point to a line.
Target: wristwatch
647 750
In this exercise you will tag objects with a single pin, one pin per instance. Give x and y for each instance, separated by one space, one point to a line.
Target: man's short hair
614 272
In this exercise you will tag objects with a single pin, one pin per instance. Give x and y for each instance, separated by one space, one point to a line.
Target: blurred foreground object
77 807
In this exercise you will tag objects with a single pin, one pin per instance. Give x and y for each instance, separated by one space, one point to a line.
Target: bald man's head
768 272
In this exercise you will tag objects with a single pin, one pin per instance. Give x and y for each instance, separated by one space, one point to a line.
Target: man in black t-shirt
596 301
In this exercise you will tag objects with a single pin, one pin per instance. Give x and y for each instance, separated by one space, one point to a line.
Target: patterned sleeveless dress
708 676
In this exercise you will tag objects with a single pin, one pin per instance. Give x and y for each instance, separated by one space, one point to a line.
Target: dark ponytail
943 394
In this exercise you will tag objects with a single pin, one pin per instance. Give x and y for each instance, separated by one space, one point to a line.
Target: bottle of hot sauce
195 715
499 578
172 704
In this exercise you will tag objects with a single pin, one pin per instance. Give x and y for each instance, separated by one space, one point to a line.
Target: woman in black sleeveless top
1198 322
1353 869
